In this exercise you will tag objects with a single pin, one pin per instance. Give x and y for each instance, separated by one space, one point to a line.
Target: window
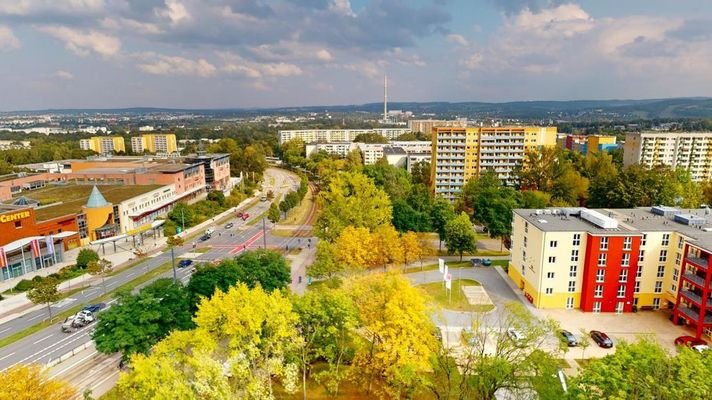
639 272
597 306
553 243
625 260
675 274
524 254
621 291
635 301
658 286
661 271
600 275
577 239
656 303
678 258
604 243
666 239
550 275
599 291
552 259
623 277
574 255
627 243
619 307
644 240
526 227
525 241
636 288
663 256
572 271
680 243
641 257
549 290
673 288
572 286
569 303
602 260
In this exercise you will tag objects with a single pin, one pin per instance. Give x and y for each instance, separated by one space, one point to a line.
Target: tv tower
385 99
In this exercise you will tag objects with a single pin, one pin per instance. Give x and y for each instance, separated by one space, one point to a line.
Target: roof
390 150
566 220
96 200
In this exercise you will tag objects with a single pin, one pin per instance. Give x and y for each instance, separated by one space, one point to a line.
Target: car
184 263
568 337
204 237
486 262
476 261
692 342
517 337
263 198
601 339
86 316
95 307
229 225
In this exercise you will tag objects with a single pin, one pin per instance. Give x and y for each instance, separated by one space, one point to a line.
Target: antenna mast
385 98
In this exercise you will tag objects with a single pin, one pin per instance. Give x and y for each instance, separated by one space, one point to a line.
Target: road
50 343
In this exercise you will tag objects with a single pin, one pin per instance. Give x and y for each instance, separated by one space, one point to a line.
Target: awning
143 228
17 244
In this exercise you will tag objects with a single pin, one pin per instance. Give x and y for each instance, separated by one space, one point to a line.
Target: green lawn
457 300
432 267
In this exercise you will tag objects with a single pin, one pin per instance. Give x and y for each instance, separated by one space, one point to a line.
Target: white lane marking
43 339
53 347
130 275
35 317
4 357
73 365
5 330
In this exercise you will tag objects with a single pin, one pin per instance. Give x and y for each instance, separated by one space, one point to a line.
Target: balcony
697 261
692 296
694 315
697 280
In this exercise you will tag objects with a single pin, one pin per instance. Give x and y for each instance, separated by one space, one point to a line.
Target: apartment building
337 135
689 150
154 143
617 260
103 144
426 125
585 144
461 153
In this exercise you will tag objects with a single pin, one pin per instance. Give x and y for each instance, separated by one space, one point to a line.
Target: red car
690 341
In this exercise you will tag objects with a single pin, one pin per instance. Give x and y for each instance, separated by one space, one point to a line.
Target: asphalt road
50 343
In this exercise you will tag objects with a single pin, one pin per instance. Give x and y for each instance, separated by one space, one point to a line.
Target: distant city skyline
280 53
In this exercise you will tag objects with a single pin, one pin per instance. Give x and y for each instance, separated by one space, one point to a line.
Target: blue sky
266 53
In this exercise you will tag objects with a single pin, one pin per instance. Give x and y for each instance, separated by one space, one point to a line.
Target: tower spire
385 98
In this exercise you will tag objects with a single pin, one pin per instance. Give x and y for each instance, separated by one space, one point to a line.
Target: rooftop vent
599 219
664 211
689 219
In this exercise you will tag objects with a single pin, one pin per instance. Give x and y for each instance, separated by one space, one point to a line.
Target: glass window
577 239
572 271
666 239
625 260
627 243
623 277
602 260
572 286
678 258
600 275
596 306
598 292
549 290
621 291
644 240
553 243
658 286
663 256
550 275
661 271
680 243
604 243
636 288
641 257
574 255
552 259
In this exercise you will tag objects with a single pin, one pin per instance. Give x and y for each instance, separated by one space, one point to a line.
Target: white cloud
27 7
342 7
238 65
175 11
290 51
8 40
64 75
324 55
458 40
366 69
158 64
127 24
84 42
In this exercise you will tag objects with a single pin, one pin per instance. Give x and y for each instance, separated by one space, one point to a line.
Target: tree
549 170
459 236
386 246
207 278
326 264
327 320
354 248
420 173
393 180
137 322
45 292
173 242
535 199
351 199
293 152
492 203
442 213
182 215
370 138
410 244
273 213
394 361
32 382
86 256
100 268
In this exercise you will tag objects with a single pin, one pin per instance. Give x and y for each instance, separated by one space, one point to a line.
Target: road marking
35 317
4 357
44 338
5 330
130 275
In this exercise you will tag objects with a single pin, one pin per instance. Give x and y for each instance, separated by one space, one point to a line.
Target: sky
274 53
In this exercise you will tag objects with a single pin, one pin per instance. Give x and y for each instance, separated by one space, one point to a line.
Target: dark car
692 342
601 339
204 237
486 262
229 225
95 307
568 337
185 263
476 261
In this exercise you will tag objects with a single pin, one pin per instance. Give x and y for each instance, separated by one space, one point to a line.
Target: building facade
461 153
617 260
337 135
689 150
154 143
396 152
426 125
103 144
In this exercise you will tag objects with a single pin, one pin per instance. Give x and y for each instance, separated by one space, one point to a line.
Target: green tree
549 170
137 322
442 213
459 236
421 174
351 198
535 199
100 268
393 180
273 213
492 203
370 138
326 264
86 256
44 292
182 215
293 152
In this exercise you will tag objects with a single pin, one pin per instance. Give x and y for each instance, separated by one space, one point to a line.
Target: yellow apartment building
103 144
154 143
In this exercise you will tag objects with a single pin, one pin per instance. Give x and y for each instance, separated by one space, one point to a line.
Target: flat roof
72 197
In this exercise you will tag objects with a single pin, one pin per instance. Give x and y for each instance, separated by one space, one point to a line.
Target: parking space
627 326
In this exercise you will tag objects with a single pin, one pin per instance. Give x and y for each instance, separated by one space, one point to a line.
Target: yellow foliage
386 245
411 247
32 382
354 248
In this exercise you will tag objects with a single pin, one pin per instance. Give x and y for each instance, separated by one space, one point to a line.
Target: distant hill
674 108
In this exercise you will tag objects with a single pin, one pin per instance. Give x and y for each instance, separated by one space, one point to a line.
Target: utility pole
264 233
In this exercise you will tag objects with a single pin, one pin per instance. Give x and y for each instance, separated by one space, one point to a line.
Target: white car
516 336
700 348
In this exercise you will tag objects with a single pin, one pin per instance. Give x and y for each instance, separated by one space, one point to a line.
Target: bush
86 256
37 278
24 285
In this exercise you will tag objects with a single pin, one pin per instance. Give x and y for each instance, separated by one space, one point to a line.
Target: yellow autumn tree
32 382
411 247
398 335
354 248
386 246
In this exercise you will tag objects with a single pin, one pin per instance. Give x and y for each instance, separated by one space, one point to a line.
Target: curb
64 357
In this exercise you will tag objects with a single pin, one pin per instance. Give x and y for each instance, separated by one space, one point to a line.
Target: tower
385 98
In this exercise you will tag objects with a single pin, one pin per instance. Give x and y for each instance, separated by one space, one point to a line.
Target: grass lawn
306 232
457 301
201 250
430 267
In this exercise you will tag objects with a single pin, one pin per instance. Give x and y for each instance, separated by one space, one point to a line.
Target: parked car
486 262
601 339
204 237
229 225
569 338
692 342
184 263
516 336
95 307
263 198
476 261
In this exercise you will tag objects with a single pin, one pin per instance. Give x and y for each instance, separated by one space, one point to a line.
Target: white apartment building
337 135
396 151
689 150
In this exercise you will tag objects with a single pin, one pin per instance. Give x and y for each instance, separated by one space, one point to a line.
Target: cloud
511 7
158 64
238 65
458 40
34 7
63 75
127 24
291 51
84 42
175 11
8 40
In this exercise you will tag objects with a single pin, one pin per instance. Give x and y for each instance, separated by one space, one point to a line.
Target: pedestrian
193 244
300 279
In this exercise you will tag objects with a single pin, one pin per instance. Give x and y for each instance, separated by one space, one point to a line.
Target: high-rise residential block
337 135
154 143
689 150
461 153
103 144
